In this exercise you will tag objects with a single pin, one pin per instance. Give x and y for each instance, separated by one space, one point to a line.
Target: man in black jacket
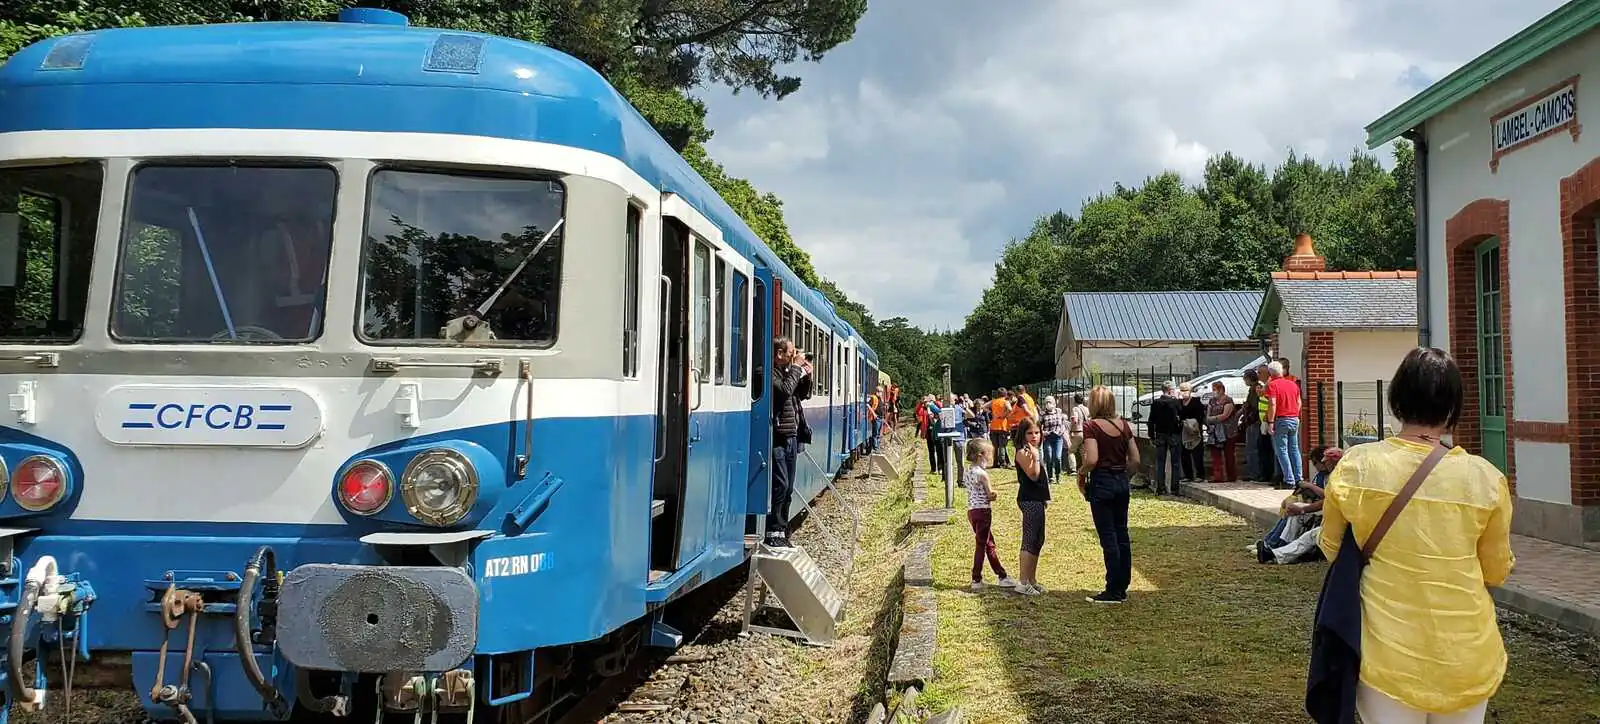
1166 435
791 383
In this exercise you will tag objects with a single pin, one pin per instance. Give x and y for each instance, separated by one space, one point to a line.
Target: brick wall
1474 223
1580 210
1319 368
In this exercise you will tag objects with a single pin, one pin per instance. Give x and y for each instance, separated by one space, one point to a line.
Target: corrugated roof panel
1162 316
1349 303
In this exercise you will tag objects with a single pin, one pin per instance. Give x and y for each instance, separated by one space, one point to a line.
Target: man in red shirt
1283 414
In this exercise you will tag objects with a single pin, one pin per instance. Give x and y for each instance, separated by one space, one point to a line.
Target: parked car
1232 381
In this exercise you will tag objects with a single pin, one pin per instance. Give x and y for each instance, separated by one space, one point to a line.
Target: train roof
373 74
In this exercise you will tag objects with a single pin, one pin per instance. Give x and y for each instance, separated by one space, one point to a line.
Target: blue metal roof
353 76
1161 316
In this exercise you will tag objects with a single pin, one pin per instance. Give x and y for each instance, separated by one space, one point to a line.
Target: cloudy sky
946 127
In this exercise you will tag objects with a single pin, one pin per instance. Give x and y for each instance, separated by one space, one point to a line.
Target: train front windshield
237 253
225 254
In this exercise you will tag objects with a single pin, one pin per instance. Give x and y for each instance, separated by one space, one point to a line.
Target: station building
1508 193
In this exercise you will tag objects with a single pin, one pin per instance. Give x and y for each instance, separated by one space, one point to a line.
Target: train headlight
38 483
365 487
439 486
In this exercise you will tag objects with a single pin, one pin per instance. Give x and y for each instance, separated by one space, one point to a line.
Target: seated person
1294 539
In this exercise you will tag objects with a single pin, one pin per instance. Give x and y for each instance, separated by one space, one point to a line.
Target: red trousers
1224 464
981 520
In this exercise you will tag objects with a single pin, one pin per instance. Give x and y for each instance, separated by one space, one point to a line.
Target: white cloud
914 152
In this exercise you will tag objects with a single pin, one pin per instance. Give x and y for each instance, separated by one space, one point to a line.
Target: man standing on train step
790 373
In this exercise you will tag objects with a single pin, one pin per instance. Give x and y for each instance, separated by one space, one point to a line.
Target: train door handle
699 388
761 463
694 432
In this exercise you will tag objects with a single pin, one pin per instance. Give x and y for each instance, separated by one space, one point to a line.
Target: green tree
1230 232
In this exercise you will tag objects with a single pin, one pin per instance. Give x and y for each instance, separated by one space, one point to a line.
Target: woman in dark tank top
1109 450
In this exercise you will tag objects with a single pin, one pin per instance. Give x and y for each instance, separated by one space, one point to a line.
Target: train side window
225 254
740 359
824 362
700 293
787 327
630 300
720 299
47 230
441 245
758 320
808 332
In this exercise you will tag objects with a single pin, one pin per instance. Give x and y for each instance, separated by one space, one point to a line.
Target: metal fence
1346 413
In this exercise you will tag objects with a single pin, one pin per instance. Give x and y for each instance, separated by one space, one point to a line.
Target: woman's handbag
1336 631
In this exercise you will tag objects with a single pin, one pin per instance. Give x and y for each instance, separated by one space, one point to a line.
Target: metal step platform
802 592
790 575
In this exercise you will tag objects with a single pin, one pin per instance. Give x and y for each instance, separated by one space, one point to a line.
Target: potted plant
1360 432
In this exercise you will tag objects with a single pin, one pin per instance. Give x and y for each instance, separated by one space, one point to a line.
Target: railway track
632 691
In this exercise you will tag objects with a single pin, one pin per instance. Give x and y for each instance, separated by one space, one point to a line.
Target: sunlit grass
1208 635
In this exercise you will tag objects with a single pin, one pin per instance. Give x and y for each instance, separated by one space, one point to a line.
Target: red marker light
366 487
39 483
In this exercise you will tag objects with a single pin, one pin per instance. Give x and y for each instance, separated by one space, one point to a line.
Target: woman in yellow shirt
1430 645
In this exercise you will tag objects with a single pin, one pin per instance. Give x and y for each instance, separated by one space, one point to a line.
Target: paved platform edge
1573 617
1568 615
914 650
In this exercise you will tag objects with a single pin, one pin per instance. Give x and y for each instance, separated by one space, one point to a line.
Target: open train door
768 295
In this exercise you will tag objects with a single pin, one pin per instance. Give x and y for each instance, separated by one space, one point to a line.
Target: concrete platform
1555 582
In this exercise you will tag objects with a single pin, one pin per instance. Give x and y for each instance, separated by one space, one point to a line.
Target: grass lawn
1208 634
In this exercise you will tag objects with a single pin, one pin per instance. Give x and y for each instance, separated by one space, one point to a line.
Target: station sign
1533 119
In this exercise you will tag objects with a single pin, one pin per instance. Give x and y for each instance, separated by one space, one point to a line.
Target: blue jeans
1054 447
1286 444
1252 450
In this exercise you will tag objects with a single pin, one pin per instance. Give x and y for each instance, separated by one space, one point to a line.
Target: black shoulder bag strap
1400 501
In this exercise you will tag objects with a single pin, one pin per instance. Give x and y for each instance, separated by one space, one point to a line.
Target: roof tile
1340 275
1349 302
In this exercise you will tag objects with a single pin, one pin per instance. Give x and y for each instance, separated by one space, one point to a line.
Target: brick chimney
1305 257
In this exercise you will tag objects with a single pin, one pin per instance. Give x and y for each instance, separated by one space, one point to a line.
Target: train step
802 592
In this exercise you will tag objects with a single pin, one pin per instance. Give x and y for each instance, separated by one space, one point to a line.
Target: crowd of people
1406 631
1267 423
1079 437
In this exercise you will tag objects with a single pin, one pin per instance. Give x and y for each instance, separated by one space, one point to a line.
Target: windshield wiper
211 270
476 317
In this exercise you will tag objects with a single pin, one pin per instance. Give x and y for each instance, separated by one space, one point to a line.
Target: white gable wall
1528 178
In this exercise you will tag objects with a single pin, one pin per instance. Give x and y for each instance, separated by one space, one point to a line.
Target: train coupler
62 602
451 692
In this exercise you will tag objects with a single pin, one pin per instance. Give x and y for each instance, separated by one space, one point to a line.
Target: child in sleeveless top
980 494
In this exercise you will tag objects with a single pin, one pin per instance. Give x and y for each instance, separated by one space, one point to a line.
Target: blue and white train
358 367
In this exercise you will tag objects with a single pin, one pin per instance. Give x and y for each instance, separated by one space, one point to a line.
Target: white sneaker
1039 587
1027 590
977 585
1009 582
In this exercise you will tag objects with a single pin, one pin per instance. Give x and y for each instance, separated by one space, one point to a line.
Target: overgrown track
625 692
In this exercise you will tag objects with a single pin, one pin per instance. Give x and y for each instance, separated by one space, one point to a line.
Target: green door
1491 356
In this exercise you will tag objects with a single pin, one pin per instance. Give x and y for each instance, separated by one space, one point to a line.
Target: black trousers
935 453
784 454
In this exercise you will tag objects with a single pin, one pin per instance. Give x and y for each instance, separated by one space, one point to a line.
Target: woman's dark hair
1077 399
1251 377
1426 389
